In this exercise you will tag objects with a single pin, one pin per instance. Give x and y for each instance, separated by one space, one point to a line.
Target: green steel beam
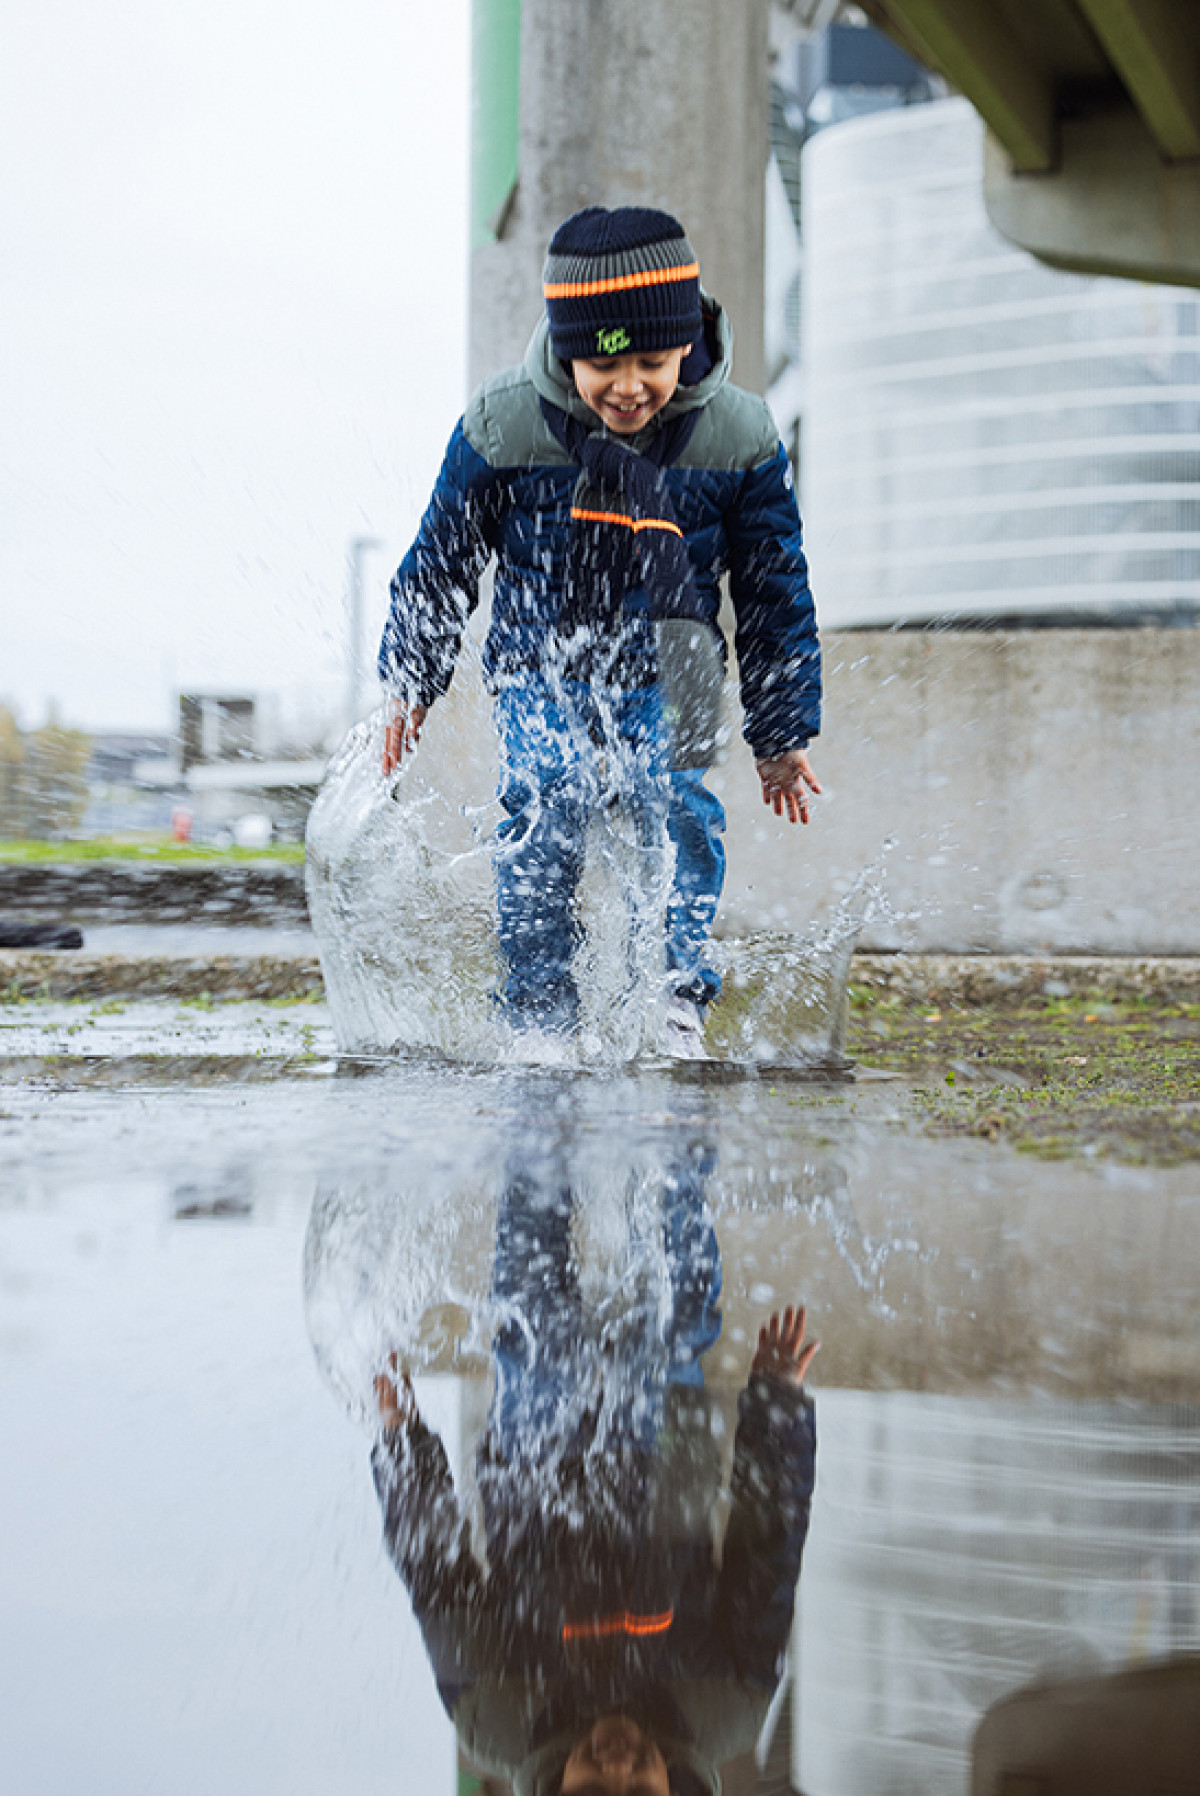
1154 45
495 113
970 43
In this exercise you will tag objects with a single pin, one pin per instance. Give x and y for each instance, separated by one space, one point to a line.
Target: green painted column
495 114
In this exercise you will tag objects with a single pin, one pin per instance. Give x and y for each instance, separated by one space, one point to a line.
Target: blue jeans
552 1381
695 820
567 753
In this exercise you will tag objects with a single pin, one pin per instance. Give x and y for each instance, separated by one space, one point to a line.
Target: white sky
233 283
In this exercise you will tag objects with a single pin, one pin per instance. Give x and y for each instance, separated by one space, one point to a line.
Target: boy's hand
401 732
784 779
782 1354
397 1407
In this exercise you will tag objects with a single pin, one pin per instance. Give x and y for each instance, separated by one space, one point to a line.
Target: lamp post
359 546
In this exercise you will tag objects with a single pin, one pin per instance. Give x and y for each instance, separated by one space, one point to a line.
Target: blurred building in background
231 774
821 74
236 772
987 438
125 794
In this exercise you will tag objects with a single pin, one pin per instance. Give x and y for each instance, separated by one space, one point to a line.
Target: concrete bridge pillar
616 102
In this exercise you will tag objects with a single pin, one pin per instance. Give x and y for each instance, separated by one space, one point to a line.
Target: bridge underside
1093 107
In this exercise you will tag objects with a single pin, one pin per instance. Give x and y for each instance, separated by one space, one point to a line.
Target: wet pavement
214 1233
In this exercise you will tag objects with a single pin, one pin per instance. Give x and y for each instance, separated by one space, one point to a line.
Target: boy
616 476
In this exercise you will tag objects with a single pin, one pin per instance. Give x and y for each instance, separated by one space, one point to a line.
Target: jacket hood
552 378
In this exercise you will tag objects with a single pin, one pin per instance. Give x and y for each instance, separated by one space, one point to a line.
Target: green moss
1060 1076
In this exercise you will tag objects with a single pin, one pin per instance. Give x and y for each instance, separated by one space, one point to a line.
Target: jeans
569 752
695 820
553 1378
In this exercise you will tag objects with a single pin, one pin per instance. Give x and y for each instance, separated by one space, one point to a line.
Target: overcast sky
233 285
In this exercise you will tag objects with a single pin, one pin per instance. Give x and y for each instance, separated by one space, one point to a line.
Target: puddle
216 1234
165 1029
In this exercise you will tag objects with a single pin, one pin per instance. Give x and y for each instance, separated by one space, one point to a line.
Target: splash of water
401 893
789 994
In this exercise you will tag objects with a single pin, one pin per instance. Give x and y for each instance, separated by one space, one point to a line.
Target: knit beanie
619 282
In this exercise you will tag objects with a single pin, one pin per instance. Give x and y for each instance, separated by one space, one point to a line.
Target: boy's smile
626 391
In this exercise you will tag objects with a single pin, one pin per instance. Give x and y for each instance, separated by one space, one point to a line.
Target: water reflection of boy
602 1603
555 1391
616 476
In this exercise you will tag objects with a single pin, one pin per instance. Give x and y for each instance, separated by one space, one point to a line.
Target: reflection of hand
401 733
397 1407
782 1354
784 779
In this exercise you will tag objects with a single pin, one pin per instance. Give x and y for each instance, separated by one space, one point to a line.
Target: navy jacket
505 490
622 1608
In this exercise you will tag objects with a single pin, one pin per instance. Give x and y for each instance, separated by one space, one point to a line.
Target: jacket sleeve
779 657
436 587
774 1464
428 1539
424 1529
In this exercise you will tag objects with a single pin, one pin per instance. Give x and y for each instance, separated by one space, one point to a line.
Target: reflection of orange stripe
620 283
626 1623
618 517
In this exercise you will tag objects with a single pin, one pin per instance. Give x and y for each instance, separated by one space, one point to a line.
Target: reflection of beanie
621 281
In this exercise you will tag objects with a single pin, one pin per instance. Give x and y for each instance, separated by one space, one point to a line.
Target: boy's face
626 391
616 1759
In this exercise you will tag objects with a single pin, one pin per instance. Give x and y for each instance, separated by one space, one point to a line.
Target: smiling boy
617 477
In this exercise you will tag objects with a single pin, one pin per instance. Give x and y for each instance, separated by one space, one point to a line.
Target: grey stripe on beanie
647 258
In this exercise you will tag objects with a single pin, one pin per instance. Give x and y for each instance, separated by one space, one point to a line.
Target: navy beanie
620 282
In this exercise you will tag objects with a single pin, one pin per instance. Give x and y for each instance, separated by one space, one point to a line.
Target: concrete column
617 102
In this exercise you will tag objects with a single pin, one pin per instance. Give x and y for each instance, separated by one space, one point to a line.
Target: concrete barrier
1039 787
241 892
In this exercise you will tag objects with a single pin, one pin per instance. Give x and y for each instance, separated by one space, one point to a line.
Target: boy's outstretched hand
401 732
397 1404
782 1354
787 779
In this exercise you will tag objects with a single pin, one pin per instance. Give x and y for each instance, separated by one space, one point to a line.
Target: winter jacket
505 489
621 1606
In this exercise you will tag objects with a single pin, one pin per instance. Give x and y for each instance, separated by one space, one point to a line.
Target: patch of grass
1053 1077
160 849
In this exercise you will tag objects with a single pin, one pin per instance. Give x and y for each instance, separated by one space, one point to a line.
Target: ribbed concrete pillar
617 102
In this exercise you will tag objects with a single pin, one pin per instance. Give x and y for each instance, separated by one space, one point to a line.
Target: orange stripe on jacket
620 283
625 1623
618 517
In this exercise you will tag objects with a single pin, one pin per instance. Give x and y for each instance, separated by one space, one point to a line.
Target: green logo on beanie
612 342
